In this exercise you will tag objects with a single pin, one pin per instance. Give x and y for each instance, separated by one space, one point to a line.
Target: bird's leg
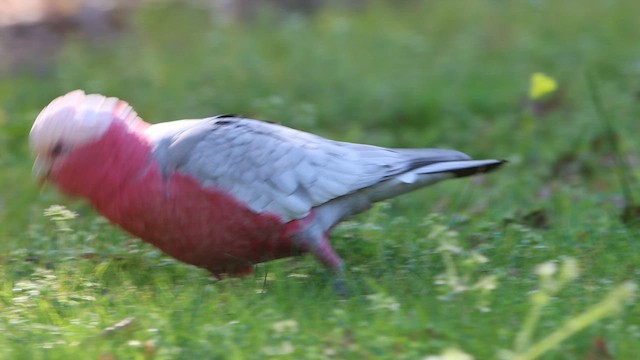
327 256
311 237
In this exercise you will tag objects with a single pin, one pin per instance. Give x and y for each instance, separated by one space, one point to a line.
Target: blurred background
393 73
493 78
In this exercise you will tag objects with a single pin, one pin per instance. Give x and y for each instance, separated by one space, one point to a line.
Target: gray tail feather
462 168
340 208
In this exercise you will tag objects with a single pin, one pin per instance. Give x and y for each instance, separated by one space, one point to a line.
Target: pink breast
203 227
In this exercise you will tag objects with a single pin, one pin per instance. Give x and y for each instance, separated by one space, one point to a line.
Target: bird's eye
57 149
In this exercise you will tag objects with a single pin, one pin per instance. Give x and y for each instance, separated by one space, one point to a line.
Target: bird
224 193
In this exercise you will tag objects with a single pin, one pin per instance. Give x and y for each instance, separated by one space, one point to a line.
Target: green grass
437 74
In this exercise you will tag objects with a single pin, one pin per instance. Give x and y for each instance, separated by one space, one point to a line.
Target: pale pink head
71 121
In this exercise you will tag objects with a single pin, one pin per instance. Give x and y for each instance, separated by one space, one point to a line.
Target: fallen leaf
599 350
122 325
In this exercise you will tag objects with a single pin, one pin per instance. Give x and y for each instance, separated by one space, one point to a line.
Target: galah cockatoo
225 192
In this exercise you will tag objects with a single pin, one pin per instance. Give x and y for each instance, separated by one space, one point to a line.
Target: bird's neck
99 171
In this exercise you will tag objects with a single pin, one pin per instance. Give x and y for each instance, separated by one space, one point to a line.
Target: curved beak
41 169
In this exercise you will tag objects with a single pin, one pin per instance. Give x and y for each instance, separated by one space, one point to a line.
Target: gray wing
278 169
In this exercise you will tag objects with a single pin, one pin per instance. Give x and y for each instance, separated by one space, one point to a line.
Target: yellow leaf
541 85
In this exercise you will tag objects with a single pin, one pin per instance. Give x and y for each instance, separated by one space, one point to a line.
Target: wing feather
277 169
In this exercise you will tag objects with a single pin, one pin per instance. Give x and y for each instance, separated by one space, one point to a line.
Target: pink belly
203 227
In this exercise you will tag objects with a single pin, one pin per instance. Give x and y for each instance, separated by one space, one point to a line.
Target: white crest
76 118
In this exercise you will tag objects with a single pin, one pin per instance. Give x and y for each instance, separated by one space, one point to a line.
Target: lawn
485 266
